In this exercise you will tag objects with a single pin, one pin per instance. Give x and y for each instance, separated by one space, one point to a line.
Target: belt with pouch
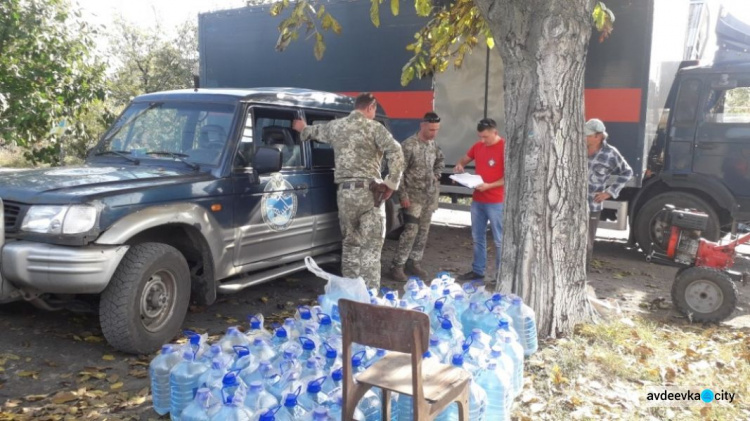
351 185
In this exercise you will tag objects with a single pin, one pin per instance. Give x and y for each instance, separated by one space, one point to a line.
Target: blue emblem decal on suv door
279 203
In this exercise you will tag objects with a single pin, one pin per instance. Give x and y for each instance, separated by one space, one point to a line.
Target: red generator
704 288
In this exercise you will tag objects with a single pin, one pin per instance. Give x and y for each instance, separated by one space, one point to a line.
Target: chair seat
393 372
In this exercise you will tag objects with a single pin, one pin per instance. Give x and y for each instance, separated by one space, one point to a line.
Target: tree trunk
543 45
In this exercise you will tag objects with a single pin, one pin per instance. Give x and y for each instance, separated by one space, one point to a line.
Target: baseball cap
594 126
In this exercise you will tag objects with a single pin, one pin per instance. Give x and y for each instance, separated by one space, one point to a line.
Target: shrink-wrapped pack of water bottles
293 370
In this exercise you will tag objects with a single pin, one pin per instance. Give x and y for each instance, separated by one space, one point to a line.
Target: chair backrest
387 328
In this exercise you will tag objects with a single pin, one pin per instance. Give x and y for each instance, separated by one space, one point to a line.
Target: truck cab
190 193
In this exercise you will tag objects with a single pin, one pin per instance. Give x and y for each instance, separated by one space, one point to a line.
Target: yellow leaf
557 377
490 43
34 398
375 13
264 299
394 7
32 374
11 356
108 357
116 386
64 397
94 339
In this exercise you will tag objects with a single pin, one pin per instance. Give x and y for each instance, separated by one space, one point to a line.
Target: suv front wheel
145 303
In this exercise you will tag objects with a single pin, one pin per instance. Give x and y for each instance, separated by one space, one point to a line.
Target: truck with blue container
682 127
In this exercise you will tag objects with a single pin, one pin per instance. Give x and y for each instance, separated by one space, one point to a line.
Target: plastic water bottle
308 347
313 369
280 337
256 328
233 408
336 407
314 395
503 325
524 321
262 349
357 360
261 372
495 383
335 383
471 318
331 357
438 348
460 303
213 352
319 414
448 333
243 360
198 343
213 377
269 414
232 338
480 345
159 370
436 312
370 406
289 379
326 329
477 399
291 411
379 354
258 398
203 407
391 298
184 382
304 319
515 352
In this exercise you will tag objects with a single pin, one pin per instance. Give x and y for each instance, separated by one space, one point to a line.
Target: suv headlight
73 219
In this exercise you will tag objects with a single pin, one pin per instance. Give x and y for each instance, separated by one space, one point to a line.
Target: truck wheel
145 303
704 294
650 226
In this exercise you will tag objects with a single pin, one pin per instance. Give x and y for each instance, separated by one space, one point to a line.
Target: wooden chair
406 333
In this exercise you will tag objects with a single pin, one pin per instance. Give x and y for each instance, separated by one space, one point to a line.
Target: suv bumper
47 268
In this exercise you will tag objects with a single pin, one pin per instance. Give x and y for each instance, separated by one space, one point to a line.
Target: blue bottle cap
357 359
320 413
434 341
269 414
496 351
218 364
517 301
258 341
167 349
390 296
330 351
281 332
380 352
446 292
458 360
256 385
316 385
427 354
307 343
304 313
312 362
290 401
337 374
497 297
324 319
439 304
503 324
195 339
188 355
230 379
241 351
446 324
232 330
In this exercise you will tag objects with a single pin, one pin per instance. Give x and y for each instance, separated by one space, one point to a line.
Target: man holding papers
488 155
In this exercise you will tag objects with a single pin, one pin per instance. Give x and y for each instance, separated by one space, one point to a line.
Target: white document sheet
468 180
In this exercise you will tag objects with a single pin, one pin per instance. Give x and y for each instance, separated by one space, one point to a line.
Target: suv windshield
193 132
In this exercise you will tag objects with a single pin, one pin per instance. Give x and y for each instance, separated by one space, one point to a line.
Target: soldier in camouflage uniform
418 194
359 143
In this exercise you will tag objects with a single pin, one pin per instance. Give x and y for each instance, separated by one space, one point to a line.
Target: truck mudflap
48 268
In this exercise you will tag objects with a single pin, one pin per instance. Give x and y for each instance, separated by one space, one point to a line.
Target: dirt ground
58 365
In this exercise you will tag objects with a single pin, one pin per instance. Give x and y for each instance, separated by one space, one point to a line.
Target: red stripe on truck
402 104
614 105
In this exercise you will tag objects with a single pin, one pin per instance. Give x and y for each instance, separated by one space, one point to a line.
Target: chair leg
463 405
386 404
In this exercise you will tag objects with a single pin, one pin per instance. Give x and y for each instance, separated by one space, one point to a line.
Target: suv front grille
12 216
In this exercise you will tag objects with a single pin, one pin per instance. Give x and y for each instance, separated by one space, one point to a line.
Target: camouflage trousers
413 239
363 231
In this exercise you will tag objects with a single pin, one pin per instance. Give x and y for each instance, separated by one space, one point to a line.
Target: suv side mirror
267 159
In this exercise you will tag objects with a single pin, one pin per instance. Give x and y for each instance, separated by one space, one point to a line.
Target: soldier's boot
413 267
397 273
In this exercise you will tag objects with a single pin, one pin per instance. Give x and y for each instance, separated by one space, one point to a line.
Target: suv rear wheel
146 300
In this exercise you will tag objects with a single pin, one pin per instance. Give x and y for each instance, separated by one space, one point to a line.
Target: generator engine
683 233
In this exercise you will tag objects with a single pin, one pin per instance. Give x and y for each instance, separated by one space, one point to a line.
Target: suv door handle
707 145
302 186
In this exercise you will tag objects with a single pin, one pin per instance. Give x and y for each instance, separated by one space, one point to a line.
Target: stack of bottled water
294 370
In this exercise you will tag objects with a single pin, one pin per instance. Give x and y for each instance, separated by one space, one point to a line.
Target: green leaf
423 7
321 11
490 42
320 46
276 9
407 75
394 7
375 12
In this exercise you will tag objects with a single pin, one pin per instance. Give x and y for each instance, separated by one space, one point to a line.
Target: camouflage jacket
359 144
424 164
